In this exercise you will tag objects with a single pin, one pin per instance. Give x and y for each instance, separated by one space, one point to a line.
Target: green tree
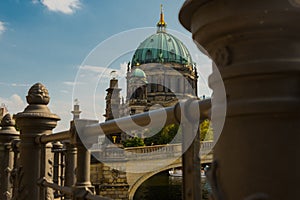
206 132
173 133
168 134
133 142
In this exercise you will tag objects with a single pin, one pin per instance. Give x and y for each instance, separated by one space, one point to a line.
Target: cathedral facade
160 73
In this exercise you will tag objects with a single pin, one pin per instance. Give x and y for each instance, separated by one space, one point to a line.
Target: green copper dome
138 73
161 47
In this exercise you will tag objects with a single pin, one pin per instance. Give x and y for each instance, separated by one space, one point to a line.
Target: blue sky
47 40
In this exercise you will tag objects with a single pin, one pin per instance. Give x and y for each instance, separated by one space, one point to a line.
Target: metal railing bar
64 135
90 196
63 189
173 115
204 107
68 190
142 120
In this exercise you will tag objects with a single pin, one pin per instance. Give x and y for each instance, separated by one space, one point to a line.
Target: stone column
191 166
191 162
70 160
71 163
14 173
35 159
255 45
83 183
57 165
7 134
83 165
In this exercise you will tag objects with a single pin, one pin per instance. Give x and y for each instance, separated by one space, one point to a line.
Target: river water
160 187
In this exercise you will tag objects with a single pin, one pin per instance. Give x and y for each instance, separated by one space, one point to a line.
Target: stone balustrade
40 165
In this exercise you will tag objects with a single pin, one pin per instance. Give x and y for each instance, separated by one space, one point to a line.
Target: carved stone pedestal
256 47
36 160
7 134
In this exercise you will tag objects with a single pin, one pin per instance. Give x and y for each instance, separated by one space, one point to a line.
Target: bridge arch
133 188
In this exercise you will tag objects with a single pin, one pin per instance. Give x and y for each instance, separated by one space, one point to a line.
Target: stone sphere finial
7 121
38 94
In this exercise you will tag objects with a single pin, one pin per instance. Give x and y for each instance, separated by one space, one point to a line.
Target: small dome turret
138 73
138 77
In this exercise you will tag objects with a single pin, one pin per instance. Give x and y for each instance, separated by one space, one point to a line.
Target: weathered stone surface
255 48
34 121
38 94
8 133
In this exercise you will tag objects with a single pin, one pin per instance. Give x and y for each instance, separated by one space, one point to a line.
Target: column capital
37 111
8 131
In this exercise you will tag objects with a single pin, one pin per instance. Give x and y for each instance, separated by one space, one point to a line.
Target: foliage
133 142
165 136
172 133
206 132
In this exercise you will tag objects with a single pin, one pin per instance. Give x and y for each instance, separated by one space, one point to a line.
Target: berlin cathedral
160 73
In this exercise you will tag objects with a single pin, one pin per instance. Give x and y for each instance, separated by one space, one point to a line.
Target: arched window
172 55
149 79
169 84
159 85
154 84
148 55
178 88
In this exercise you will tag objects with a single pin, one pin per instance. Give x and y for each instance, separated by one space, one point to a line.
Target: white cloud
102 71
96 69
64 91
63 110
63 6
70 83
20 85
15 84
17 100
92 93
2 27
14 103
123 68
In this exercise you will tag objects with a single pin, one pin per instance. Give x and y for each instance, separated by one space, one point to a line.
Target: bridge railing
173 149
39 165
169 148
187 113
42 165
9 143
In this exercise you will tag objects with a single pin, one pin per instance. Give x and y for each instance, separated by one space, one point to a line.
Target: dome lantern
161 24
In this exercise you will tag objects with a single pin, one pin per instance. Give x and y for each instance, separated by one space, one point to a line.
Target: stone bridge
128 168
